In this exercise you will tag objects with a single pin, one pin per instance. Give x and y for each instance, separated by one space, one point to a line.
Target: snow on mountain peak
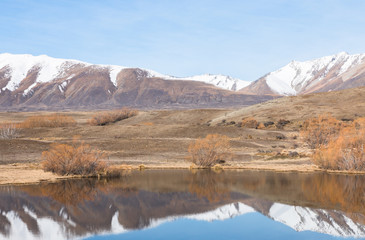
17 67
296 76
219 80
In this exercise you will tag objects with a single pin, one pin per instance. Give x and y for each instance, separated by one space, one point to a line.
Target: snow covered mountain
222 81
41 82
324 74
16 67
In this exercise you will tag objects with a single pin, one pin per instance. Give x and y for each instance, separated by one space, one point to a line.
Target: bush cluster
282 123
210 150
338 145
316 132
76 159
250 122
104 118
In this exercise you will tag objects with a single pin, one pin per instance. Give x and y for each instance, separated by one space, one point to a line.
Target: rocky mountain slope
42 82
330 73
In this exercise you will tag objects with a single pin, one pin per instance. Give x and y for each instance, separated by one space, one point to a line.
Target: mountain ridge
329 73
53 68
44 83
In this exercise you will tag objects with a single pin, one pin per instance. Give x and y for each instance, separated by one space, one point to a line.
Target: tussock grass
104 118
52 121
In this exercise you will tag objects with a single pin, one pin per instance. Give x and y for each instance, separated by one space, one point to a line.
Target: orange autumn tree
318 131
345 152
76 159
210 150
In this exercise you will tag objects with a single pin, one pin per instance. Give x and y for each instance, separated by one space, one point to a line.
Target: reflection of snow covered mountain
222 213
46 228
317 220
329 222
49 228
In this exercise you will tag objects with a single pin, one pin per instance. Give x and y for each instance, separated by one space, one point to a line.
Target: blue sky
244 39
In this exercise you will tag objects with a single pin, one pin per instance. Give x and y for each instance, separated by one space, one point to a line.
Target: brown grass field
160 138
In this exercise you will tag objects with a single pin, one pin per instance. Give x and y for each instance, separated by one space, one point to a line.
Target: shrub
8 131
76 159
345 152
250 122
210 150
104 118
269 123
316 132
281 123
52 120
280 136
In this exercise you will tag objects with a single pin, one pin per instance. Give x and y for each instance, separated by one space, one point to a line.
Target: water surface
179 204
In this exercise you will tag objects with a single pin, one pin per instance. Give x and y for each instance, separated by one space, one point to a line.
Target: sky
242 39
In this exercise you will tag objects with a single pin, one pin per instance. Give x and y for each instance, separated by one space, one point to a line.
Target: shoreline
30 173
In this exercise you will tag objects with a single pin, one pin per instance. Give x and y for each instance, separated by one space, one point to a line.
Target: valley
160 138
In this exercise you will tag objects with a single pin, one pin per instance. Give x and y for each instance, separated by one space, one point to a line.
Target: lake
181 204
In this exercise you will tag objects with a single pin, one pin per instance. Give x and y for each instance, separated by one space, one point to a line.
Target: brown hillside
344 104
91 88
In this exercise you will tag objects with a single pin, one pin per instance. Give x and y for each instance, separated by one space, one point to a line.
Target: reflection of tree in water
346 193
91 204
70 192
208 184
79 206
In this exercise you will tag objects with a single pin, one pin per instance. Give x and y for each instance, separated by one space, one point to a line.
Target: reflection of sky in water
248 226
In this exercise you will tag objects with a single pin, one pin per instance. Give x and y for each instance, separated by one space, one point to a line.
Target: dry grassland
161 138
